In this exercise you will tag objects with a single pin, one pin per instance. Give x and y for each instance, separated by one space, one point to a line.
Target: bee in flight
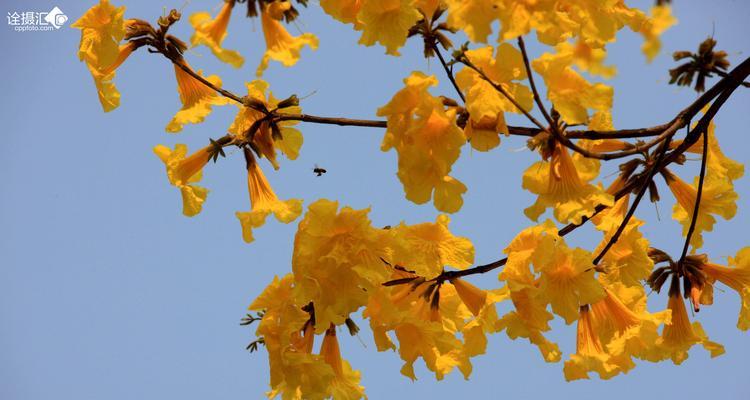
319 171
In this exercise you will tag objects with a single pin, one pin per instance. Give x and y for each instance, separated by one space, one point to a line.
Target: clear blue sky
108 292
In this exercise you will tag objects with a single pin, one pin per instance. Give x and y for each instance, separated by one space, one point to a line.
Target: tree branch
449 72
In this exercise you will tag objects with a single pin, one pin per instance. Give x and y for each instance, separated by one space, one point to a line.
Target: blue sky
108 292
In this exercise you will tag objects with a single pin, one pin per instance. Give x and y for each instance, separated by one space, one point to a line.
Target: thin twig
698 196
534 91
449 72
332 120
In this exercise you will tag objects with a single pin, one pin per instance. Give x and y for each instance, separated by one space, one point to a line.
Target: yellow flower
590 354
473 17
587 58
264 141
387 22
427 248
211 32
343 10
263 201
196 99
183 172
717 163
529 319
102 28
485 104
661 19
570 94
280 45
627 261
473 297
737 278
567 280
718 198
337 261
679 336
345 384
483 134
428 142
295 372
562 183
521 252
422 327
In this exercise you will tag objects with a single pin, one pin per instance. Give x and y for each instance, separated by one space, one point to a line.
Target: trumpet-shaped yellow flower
570 94
473 297
295 372
184 172
280 45
591 355
679 336
211 32
737 278
718 198
263 140
567 280
196 98
485 104
263 202
660 20
337 261
102 28
387 22
428 248
345 384
562 183
428 142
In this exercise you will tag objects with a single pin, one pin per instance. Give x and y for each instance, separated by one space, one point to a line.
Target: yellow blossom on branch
197 98
290 140
102 28
263 202
184 172
280 45
563 184
428 142
211 33
486 106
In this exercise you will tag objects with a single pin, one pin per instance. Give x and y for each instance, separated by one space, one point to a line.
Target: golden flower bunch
411 282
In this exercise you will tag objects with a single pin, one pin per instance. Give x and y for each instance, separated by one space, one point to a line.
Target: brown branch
696 208
617 134
448 71
724 75
530 75
332 120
